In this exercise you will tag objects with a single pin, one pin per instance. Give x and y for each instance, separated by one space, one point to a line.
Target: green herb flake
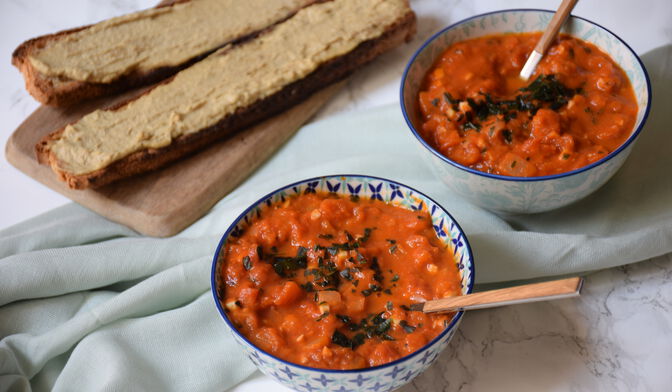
326 236
389 305
435 102
340 339
393 249
513 164
343 318
508 136
407 327
247 263
565 156
450 99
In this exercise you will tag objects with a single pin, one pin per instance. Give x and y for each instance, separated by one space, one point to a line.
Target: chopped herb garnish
548 89
435 102
387 291
395 278
471 125
393 249
247 263
450 99
513 164
366 292
326 236
343 318
358 340
508 136
361 259
340 339
389 305
355 282
345 274
283 265
407 327
308 287
565 156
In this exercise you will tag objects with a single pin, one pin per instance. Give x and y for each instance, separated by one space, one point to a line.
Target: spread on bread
290 60
115 47
140 48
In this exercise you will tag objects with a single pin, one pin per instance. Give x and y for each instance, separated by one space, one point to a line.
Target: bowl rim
222 241
622 147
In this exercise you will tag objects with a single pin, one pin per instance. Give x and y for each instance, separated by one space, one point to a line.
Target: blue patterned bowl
376 379
523 194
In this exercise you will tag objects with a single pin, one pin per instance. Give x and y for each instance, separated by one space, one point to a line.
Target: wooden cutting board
163 202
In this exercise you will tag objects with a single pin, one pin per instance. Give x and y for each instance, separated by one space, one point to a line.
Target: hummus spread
232 77
158 37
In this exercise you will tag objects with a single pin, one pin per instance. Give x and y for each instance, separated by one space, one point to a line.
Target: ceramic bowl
380 378
523 194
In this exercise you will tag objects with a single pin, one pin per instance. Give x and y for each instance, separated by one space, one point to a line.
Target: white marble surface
617 337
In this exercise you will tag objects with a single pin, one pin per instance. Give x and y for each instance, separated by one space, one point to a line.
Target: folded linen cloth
87 304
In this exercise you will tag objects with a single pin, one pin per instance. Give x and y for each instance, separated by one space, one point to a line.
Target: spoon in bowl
555 289
547 38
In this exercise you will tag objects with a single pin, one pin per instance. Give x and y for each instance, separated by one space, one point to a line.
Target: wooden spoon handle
554 27
556 289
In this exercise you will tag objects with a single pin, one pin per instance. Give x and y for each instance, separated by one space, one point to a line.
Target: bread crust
55 91
149 159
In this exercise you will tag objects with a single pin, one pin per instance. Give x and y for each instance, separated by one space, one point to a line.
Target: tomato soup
326 281
577 107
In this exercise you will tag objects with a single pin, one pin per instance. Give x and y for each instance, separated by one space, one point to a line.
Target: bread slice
70 66
57 148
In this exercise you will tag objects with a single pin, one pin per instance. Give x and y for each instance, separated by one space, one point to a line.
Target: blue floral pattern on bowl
523 194
380 378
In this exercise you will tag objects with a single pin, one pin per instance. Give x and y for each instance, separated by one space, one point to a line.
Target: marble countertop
616 337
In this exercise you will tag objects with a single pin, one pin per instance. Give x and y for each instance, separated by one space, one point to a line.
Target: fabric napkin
87 304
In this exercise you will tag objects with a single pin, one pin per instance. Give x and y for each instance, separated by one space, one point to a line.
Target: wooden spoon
547 38
555 289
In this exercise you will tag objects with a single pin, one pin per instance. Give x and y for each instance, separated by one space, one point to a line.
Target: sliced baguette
60 90
396 32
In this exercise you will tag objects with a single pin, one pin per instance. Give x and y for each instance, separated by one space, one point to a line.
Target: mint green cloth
87 304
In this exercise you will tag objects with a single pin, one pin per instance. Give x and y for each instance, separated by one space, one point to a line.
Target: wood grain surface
556 289
163 202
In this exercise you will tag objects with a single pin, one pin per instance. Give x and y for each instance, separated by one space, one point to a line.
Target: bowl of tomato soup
315 280
517 146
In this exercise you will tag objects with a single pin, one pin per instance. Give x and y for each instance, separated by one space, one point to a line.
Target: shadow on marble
591 343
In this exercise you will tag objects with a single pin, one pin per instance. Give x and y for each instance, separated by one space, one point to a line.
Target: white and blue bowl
522 194
380 378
